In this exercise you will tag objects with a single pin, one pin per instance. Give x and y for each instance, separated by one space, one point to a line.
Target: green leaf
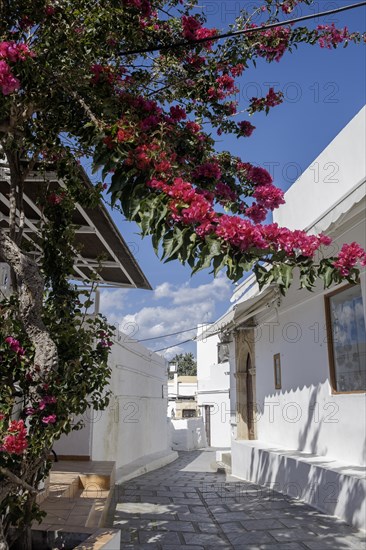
211 249
327 275
219 263
263 276
287 275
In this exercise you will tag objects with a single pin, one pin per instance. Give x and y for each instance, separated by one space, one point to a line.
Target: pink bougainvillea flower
51 419
330 37
177 113
8 82
55 198
256 212
246 128
269 196
349 256
255 174
15 441
15 345
49 11
50 399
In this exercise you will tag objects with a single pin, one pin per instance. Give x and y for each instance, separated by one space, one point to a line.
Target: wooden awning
96 234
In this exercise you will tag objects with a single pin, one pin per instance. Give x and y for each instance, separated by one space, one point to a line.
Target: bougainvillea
140 87
15 438
37 406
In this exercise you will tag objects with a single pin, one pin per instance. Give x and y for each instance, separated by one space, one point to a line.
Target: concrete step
78 497
223 461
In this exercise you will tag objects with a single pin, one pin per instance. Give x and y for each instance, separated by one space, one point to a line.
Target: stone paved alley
188 504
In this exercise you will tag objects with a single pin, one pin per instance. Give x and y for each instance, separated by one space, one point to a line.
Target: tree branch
17 480
15 179
88 111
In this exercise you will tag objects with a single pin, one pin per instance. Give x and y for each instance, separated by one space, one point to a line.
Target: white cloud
172 352
155 321
172 309
220 287
112 300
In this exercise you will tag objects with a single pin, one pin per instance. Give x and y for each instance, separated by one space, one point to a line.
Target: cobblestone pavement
188 504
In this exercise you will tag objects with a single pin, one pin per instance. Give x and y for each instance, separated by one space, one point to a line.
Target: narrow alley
189 504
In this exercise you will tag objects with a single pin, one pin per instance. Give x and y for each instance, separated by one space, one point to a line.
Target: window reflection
349 339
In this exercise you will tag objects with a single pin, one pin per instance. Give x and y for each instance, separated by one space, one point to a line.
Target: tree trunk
25 540
30 287
3 543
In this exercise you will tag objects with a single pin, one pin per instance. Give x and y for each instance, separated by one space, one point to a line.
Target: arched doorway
245 386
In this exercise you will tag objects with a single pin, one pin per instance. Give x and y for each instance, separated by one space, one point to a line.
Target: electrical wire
172 333
233 34
176 344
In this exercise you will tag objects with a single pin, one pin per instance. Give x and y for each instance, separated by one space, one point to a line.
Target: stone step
226 458
77 499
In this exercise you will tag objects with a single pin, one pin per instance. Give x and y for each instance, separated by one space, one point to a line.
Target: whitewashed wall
134 424
181 387
187 434
304 414
339 169
213 389
77 443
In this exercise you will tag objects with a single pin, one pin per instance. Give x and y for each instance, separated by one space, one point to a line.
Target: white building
187 431
182 397
298 364
213 395
133 431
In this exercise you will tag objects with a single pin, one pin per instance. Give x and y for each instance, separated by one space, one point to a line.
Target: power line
173 346
172 333
187 44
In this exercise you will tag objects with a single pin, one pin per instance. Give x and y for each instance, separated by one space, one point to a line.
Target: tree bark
3 543
17 480
30 287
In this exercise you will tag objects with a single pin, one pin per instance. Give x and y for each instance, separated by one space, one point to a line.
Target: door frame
245 384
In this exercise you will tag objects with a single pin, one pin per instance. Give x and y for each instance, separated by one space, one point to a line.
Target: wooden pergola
96 234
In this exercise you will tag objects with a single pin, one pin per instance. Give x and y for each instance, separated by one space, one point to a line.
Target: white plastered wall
214 390
134 424
305 414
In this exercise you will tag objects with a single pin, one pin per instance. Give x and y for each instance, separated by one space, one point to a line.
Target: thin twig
87 110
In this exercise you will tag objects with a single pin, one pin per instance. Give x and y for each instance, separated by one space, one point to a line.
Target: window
222 352
189 413
346 339
277 371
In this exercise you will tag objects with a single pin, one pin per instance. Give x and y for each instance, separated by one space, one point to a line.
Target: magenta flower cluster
41 405
15 441
11 52
349 256
330 37
14 345
273 43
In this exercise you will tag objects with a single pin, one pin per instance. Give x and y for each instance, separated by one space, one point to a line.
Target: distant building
182 397
213 395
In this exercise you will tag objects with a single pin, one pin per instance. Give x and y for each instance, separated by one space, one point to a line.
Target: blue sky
323 90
